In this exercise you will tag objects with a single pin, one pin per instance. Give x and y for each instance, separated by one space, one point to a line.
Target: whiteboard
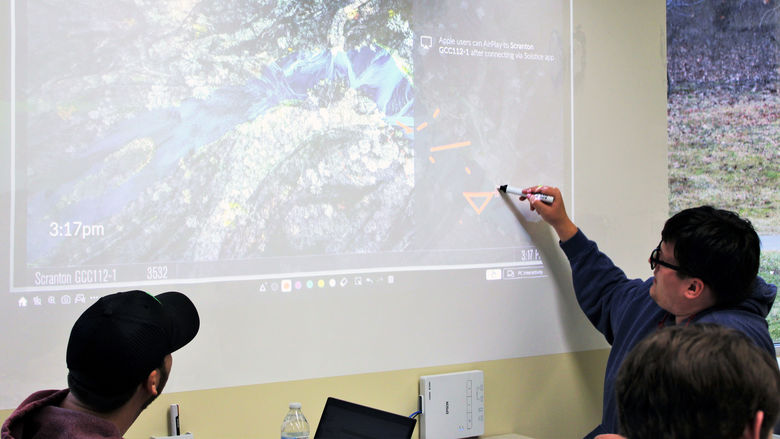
319 177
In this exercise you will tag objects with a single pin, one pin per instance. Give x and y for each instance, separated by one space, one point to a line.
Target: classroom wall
551 396
619 167
548 396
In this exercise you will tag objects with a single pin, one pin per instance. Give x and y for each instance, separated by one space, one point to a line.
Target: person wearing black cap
118 358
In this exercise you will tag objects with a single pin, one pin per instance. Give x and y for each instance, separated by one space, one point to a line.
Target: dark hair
702 380
718 247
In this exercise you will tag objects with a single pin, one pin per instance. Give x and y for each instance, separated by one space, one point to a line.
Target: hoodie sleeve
602 289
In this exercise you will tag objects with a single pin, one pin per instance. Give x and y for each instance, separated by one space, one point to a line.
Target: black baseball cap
124 336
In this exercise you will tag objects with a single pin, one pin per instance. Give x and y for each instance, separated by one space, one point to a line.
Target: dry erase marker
544 198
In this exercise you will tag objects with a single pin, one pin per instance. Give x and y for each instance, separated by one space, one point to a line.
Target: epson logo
446 407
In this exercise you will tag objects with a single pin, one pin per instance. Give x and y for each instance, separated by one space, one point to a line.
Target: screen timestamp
75 229
530 255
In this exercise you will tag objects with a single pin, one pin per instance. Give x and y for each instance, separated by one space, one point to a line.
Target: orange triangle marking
470 195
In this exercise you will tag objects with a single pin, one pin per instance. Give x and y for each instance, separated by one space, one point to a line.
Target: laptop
347 420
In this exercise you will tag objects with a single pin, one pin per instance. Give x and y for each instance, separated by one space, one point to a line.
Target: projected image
160 140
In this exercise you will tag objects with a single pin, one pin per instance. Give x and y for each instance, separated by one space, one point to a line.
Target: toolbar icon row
65 299
288 285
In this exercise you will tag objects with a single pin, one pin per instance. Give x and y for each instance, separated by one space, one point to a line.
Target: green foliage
723 151
770 271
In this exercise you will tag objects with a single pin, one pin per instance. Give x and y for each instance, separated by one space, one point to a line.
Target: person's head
122 340
696 381
705 248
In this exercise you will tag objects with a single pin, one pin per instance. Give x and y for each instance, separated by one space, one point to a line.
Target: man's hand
554 214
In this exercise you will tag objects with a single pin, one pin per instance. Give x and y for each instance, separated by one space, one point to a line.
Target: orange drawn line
422 126
451 146
436 113
470 195
433 160
406 128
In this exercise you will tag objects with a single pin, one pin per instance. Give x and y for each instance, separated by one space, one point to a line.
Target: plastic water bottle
295 425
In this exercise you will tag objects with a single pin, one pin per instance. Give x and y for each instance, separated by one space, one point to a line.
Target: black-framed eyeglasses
655 261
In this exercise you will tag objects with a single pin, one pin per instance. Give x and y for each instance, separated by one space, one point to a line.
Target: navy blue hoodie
622 310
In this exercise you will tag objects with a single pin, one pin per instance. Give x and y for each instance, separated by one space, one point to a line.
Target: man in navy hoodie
704 270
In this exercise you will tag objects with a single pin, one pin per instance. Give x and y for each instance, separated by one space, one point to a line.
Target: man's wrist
566 231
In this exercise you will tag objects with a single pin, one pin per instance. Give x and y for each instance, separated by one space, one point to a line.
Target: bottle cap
295 405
